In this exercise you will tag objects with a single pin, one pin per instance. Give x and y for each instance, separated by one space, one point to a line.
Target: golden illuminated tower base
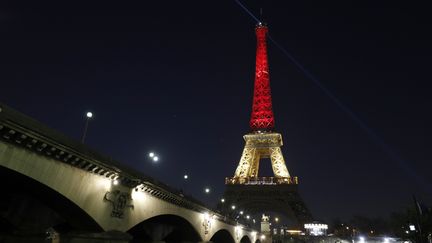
261 145
258 195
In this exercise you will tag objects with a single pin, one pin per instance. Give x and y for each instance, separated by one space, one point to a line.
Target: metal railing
261 180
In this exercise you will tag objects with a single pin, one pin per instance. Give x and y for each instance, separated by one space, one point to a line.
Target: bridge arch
222 236
167 228
31 206
245 239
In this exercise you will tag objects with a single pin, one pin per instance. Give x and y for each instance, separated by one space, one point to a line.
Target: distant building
316 229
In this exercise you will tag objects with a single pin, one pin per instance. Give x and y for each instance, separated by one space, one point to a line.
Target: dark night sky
177 78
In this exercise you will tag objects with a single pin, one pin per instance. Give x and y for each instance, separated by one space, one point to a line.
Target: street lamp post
89 115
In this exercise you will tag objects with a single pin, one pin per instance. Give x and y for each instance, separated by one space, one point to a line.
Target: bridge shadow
167 228
245 239
28 207
222 236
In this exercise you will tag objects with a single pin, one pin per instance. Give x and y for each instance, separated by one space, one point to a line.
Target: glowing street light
277 219
247 216
241 212
207 190
206 216
185 177
153 156
233 207
222 200
89 115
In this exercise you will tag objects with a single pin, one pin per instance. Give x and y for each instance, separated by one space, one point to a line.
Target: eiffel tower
246 190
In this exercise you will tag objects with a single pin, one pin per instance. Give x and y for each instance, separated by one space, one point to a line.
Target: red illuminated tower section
262 118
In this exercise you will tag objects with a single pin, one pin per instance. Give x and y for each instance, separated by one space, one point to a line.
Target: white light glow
316 229
89 114
185 177
137 195
316 226
412 227
115 182
386 240
155 158
222 200
233 207
262 237
247 216
241 212
207 190
103 182
294 231
151 154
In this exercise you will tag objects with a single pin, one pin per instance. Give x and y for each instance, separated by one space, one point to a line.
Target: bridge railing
261 180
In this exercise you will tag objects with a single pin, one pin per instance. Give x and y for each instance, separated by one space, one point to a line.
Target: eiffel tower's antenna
261 15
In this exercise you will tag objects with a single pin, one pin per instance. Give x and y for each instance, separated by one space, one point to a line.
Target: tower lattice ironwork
245 188
262 113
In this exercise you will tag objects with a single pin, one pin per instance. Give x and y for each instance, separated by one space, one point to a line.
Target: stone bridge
57 190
